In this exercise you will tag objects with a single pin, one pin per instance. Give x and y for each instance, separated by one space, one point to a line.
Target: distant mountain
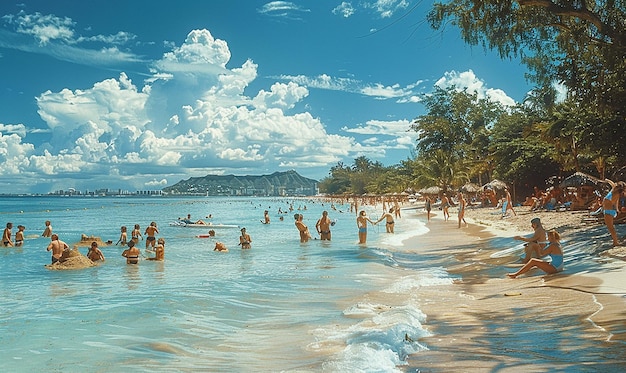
288 183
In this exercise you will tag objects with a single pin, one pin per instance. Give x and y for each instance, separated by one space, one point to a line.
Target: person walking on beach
462 206
389 217
150 233
135 235
323 226
556 257
6 236
48 231
507 203
609 206
535 242
57 247
428 206
445 206
361 223
305 235
94 253
244 239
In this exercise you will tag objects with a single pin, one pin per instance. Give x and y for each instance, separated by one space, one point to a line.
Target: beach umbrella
431 190
580 179
470 188
495 184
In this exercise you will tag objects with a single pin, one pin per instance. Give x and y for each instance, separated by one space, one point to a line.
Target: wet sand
487 322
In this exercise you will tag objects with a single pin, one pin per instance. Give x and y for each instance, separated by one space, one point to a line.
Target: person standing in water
361 223
48 231
323 226
57 247
151 231
244 239
305 235
94 253
389 217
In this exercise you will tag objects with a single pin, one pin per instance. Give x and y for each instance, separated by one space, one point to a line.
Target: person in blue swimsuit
609 206
361 223
555 252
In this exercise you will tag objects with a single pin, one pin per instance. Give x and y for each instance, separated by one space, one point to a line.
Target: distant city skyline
142 94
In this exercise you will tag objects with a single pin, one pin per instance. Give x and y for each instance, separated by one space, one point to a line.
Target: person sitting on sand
95 253
556 255
132 253
244 239
159 250
19 235
48 231
389 217
535 242
57 247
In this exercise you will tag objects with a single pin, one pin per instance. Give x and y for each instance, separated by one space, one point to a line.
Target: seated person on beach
159 250
556 255
132 253
94 253
535 242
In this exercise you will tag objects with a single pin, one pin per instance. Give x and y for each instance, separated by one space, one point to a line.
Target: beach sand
470 318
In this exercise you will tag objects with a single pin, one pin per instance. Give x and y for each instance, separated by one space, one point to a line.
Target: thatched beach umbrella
431 190
580 179
495 184
470 188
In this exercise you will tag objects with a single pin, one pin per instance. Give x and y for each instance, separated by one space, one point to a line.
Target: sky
140 94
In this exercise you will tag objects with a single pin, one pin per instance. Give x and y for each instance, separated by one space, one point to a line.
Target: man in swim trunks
6 236
536 242
390 222
57 247
323 226
150 233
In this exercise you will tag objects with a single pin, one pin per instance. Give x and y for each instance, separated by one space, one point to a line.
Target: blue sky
140 94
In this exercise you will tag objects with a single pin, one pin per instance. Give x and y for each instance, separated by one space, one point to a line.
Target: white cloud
345 9
387 8
468 80
283 9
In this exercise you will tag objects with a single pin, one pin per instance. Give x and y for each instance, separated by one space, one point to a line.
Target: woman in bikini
609 206
555 252
132 253
361 223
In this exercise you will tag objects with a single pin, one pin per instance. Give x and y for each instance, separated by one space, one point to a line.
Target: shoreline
462 313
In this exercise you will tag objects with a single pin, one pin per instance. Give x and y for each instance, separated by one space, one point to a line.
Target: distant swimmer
48 231
244 239
57 247
323 226
94 253
132 253
266 217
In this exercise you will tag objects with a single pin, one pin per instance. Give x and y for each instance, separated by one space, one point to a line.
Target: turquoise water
281 306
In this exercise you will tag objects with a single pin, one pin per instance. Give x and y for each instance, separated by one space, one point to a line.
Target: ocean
280 306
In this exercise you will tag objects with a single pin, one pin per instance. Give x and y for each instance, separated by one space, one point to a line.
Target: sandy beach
485 298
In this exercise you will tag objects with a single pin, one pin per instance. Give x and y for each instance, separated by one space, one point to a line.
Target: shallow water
281 306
